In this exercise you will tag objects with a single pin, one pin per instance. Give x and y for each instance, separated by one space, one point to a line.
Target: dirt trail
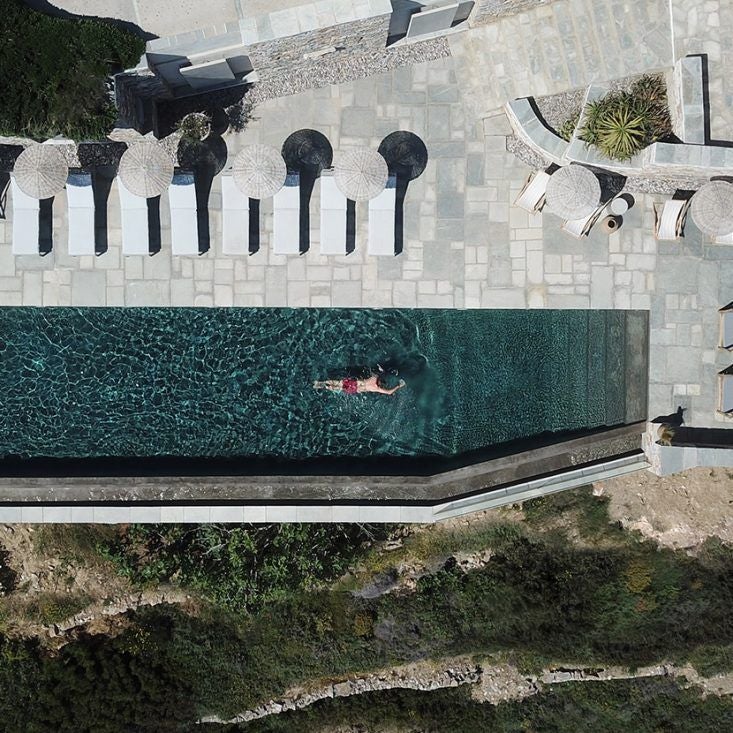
490 682
69 573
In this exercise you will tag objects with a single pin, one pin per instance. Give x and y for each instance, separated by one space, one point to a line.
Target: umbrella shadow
154 236
45 226
205 159
101 160
308 153
406 156
254 226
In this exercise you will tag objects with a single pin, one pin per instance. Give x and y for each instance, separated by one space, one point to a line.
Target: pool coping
533 465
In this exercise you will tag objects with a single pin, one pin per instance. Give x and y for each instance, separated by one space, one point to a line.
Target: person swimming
352 385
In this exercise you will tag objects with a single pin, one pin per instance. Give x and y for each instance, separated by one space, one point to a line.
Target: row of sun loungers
184 218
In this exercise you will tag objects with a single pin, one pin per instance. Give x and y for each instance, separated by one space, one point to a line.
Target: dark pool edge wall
483 476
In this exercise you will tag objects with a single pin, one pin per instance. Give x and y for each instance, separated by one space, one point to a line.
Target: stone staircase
564 45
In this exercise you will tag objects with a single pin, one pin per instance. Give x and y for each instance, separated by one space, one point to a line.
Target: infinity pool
128 382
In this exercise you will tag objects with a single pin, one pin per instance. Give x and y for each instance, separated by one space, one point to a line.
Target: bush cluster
240 567
623 122
56 73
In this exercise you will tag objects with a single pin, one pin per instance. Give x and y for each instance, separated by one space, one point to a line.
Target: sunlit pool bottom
235 385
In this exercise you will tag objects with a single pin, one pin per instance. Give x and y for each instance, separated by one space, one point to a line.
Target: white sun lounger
382 221
726 327
580 228
724 239
725 392
333 217
80 206
134 215
669 219
26 217
532 196
234 218
184 221
286 217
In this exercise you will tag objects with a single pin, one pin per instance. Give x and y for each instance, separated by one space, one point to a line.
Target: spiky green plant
568 127
622 123
621 134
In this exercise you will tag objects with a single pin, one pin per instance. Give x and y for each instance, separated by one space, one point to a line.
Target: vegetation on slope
240 567
603 598
55 73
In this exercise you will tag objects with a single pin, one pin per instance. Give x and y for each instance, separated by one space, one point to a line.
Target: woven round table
712 208
361 174
259 171
41 171
573 192
146 169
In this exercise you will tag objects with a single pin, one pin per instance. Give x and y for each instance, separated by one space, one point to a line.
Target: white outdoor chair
726 327
234 218
184 221
669 219
286 217
382 221
26 218
532 196
725 392
134 216
80 207
580 228
333 216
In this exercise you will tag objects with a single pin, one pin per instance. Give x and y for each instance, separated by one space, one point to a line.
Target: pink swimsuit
350 385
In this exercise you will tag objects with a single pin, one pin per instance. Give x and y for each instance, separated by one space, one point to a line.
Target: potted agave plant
195 127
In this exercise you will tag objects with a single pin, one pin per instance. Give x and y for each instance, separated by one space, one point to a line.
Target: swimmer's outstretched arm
394 389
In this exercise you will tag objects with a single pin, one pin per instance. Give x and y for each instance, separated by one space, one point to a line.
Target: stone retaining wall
487 11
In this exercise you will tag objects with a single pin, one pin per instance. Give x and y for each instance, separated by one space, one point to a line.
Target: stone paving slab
558 46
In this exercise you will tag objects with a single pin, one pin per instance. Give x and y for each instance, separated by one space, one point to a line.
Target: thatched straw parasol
41 171
361 174
259 171
712 208
146 169
573 192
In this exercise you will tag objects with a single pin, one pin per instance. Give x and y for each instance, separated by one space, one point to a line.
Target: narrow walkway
564 45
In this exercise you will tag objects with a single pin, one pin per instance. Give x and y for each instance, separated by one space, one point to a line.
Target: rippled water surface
79 382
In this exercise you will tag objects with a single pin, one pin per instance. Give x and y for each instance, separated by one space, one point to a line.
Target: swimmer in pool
350 385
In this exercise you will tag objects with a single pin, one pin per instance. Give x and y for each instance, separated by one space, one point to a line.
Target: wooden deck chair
532 196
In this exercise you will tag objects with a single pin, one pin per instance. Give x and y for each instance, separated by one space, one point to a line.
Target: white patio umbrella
146 169
259 171
361 174
573 192
712 208
41 171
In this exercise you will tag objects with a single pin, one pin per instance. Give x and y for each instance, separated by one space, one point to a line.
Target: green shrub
51 608
241 567
56 71
568 127
624 122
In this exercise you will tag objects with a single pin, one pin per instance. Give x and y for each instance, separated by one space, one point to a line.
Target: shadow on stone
154 225
45 226
306 152
406 157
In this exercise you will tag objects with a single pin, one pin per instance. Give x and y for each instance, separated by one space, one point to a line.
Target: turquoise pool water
132 382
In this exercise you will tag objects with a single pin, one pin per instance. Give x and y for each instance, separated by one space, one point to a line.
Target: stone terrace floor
465 245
